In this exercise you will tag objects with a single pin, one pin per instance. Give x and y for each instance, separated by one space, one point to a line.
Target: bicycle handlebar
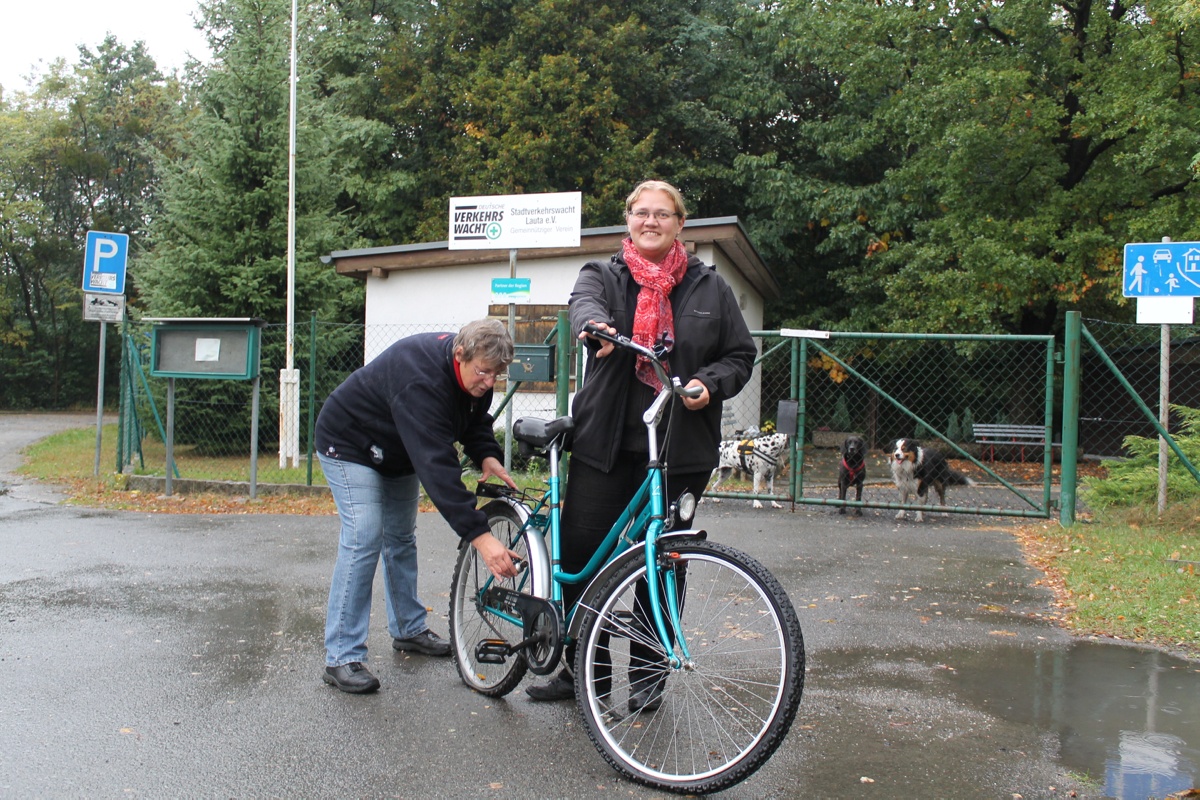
654 356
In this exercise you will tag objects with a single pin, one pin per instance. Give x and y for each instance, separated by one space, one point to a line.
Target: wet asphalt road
170 656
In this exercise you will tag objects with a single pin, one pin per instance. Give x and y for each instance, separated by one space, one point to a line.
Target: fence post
563 366
800 393
122 405
312 393
1070 424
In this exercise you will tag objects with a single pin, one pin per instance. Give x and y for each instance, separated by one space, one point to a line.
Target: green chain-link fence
937 389
212 430
1107 411
941 390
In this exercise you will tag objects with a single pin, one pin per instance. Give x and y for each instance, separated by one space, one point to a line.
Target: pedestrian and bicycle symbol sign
1162 269
104 262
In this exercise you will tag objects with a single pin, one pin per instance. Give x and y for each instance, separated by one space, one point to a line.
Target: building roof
726 233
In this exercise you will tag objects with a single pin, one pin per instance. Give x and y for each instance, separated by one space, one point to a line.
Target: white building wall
451 297
445 298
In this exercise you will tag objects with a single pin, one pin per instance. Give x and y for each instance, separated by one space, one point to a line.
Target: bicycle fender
633 553
539 553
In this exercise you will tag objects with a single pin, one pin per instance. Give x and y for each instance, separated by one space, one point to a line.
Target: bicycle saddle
539 433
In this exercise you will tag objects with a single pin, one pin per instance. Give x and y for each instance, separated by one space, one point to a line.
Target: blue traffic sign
1162 269
104 262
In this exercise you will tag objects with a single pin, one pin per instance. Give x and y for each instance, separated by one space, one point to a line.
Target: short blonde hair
661 186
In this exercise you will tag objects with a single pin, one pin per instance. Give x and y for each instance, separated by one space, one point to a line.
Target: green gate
944 390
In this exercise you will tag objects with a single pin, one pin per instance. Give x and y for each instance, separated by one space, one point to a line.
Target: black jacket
402 413
712 343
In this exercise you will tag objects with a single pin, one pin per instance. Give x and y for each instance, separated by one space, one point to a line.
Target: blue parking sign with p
104 262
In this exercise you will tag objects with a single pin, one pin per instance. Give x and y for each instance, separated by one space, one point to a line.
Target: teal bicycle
689 659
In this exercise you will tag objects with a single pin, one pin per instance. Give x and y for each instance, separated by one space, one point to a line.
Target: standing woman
386 430
651 288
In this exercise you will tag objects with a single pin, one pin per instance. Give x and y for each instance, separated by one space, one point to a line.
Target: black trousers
594 500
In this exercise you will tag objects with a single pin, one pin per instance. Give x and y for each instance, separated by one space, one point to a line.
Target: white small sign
208 349
103 307
512 222
1165 310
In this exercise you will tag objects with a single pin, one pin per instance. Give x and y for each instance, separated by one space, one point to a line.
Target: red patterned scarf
653 316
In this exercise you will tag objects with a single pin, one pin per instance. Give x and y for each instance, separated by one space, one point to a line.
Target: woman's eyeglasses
660 215
486 374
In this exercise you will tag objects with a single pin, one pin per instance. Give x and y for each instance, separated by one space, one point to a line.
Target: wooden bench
1020 436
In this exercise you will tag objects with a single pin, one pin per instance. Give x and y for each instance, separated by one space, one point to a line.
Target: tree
74 156
981 165
540 95
219 239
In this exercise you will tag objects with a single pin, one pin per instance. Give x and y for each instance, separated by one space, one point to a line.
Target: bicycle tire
722 715
469 624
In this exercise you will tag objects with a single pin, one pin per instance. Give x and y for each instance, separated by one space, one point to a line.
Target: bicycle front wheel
471 622
714 719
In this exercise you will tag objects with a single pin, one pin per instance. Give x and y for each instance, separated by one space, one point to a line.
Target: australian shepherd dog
915 469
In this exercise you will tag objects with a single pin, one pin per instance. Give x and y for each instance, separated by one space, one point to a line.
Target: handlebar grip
600 333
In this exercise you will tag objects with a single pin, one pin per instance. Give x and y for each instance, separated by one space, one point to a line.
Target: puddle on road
1126 717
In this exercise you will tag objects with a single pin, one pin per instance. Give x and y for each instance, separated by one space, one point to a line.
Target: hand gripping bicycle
689 662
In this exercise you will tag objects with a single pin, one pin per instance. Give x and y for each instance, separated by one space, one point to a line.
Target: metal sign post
104 261
1165 278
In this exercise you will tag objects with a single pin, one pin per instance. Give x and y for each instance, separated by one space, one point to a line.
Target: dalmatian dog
757 455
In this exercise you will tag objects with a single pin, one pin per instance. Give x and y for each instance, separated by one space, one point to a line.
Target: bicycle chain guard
543 630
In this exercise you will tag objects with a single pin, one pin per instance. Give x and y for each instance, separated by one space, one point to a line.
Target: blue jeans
378 516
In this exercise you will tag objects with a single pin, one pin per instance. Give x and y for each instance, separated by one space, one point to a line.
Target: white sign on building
513 222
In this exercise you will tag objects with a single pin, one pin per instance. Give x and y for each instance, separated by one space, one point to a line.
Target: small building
431 287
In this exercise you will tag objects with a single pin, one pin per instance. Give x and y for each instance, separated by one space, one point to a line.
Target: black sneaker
353 678
426 642
562 687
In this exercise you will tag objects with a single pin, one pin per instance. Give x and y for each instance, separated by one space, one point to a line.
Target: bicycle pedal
492 651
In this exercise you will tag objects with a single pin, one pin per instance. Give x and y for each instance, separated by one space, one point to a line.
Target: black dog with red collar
852 470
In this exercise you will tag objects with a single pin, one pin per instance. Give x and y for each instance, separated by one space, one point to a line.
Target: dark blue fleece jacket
402 413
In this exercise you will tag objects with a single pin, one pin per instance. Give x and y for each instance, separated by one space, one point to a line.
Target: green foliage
967 426
840 421
541 95
223 203
1134 481
979 166
953 431
74 156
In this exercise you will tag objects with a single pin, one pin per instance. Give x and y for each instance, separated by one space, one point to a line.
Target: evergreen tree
219 241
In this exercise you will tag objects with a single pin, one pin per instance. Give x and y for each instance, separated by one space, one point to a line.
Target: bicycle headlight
685 507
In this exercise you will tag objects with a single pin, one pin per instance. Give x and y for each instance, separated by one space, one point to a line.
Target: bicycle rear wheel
471 623
713 721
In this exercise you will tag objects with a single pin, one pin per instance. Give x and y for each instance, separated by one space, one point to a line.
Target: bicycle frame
643 521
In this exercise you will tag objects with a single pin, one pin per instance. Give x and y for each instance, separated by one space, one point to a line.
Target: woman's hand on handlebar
499 559
605 347
699 401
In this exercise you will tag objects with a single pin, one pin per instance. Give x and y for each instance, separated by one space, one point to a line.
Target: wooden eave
726 233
